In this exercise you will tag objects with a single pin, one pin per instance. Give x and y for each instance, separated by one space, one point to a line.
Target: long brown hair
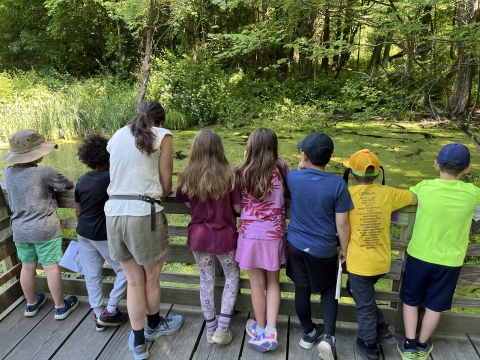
261 158
208 173
149 113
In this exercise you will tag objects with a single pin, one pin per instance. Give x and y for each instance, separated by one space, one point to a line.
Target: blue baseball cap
454 156
318 146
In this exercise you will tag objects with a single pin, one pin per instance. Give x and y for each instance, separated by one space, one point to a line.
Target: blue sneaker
31 310
264 342
140 351
70 304
167 326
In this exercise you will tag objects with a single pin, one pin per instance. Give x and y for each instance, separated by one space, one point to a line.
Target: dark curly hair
93 152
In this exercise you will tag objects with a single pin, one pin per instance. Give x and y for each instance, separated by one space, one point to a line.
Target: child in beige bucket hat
35 224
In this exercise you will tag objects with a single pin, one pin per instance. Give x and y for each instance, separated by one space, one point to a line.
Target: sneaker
307 341
422 353
385 335
326 348
365 352
167 326
140 351
31 310
70 304
98 327
115 319
210 338
406 354
264 342
221 337
251 328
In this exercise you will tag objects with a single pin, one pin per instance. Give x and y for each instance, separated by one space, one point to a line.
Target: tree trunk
458 104
148 51
377 52
326 40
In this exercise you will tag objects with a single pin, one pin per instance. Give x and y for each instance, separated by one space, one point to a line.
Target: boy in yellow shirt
437 248
368 255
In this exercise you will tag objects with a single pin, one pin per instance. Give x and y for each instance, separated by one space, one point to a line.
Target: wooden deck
41 337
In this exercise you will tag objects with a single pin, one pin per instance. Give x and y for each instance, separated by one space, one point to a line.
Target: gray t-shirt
32 201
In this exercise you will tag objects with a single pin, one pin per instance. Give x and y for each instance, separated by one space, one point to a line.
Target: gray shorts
130 237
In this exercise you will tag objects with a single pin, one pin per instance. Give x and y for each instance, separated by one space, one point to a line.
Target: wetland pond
407 153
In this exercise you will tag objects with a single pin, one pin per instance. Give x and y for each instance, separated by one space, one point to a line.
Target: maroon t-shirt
212 228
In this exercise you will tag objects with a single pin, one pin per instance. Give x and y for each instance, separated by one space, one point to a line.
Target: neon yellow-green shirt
369 248
444 216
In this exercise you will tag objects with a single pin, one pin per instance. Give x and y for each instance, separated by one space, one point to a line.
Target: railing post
5 213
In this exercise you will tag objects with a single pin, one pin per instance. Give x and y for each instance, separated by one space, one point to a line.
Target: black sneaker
385 335
115 319
98 327
365 352
307 341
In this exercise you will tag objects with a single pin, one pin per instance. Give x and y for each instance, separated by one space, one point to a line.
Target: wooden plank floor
41 337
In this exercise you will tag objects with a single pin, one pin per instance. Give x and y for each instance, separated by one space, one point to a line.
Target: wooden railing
470 274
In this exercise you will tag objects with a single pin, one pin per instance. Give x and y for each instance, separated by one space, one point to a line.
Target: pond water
407 153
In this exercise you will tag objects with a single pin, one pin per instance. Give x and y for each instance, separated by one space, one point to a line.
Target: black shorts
429 284
309 271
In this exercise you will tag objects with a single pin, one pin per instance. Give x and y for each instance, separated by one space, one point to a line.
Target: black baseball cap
317 146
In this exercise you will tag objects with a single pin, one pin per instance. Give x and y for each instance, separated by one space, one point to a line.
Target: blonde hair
261 158
208 173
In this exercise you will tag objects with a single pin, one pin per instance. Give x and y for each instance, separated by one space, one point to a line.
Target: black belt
148 199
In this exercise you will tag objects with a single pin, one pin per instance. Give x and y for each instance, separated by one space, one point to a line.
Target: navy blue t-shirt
316 197
91 193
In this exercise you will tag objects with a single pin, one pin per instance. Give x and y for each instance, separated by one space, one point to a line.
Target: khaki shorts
130 237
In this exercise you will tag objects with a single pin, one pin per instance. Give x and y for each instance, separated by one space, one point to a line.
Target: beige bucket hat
27 146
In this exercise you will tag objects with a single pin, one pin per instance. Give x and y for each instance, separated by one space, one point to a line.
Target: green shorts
48 252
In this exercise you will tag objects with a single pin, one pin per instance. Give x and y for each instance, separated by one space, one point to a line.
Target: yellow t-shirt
443 221
369 248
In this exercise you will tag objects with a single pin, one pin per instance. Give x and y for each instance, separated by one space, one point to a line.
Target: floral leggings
206 266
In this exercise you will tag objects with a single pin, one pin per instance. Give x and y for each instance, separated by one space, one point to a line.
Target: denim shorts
48 252
429 284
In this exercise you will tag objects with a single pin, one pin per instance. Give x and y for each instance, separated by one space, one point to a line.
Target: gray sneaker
140 352
167 326
326 348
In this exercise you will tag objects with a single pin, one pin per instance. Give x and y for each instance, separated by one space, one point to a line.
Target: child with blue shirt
35 224
320 204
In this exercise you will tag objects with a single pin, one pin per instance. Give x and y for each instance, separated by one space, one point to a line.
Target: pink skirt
258 253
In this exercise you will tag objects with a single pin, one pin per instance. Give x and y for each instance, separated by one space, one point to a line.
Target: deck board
220 352
41 337
49 334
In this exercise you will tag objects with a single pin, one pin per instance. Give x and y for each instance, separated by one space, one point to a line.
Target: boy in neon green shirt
437 248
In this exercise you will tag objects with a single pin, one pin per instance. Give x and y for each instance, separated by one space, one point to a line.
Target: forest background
70 67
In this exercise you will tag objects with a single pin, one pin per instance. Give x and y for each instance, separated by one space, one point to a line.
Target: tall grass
67 111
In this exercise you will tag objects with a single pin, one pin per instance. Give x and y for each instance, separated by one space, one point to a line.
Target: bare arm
237 208
343 230
69 184
165 164
414 199
78 209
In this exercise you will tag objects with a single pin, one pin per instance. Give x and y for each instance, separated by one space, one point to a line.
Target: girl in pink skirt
261 246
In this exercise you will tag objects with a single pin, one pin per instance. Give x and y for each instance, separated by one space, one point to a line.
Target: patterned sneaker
326 348
98 327
70 304
221 337
264 342
385 335
251 328
365 352
307 341
422 353
139 352
115 319
406 354
167 326
31 310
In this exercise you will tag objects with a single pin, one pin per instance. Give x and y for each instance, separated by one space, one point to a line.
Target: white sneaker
326 348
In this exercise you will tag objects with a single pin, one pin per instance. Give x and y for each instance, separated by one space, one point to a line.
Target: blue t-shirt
316 197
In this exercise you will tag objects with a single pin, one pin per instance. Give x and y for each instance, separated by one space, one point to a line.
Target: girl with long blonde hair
261 247
207 186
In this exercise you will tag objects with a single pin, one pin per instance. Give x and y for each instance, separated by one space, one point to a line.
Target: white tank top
133 173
